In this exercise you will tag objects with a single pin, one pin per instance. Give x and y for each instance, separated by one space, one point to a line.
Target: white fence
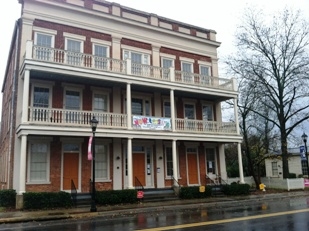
275 183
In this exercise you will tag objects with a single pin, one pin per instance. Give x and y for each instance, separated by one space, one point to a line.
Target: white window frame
215 161
69 88
38 142
165 166
77 59
139 69
48 85
44 53
105 44
274 169
165 72
107 179
144 99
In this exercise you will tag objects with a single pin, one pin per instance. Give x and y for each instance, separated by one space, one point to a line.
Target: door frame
78 143
197 165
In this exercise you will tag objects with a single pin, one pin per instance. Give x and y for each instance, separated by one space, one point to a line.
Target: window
43 43
40 101
274 168
205 73
167 109
100 102
73 52
207 113
304 167
141 106
139 62
166 64
101 53
210 159
101 166
169 161
38 163
187 71
72 102
189 116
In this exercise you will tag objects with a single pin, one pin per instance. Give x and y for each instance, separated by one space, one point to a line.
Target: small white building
297 165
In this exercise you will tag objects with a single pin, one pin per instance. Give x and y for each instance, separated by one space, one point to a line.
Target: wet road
284 215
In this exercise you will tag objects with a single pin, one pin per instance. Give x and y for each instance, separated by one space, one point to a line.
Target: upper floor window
72 99
100 54
74 46
139 62
167 109
187 71
166 64
205 74
44 43
207 112
40 96
189 111
140 106
100 102
40 101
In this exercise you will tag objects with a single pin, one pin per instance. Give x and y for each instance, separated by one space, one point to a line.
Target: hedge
236 189
194 192
110 197
7 198
47 200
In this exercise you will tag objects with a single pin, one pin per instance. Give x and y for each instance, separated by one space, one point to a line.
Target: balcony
62 117
88 61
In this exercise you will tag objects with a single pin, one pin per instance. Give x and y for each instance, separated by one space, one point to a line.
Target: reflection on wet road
282 214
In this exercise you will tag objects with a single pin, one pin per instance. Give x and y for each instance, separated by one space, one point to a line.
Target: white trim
69 88
101 42
169 56
52 45
108 177
74 36
96 91
135 49
101 45
44 30
43 85
47 180
204 63
187 60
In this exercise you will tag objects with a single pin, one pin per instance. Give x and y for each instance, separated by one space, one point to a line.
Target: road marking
226 220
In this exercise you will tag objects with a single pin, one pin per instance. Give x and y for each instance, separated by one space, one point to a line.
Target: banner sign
89 148
151 123
302 153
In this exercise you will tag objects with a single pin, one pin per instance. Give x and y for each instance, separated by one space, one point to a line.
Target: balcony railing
78 118
128 67
54 116
200 126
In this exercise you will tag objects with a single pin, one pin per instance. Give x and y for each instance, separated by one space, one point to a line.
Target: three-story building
151 83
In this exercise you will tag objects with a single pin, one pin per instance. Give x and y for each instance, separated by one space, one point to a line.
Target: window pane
100 102
100 53
210 158
136 58
167 109
186 67
207 113
41 97
72 100
189 111
101 167
137 106
74 50
38 162
167 63
169 161
204 70
43 40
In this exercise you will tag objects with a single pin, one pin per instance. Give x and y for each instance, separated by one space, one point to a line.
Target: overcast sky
219 15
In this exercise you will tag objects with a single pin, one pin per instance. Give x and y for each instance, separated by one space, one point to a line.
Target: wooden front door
192 169
70 170
139 167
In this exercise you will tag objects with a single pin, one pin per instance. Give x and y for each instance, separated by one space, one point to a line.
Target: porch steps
155 195
83 199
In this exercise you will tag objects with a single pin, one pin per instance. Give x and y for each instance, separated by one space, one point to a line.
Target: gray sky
219 15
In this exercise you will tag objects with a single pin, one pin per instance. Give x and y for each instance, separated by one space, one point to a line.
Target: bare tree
272 57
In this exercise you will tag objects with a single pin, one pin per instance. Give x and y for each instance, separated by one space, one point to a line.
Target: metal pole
305 141
93 204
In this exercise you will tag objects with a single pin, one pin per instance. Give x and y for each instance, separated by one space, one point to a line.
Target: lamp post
304 136
93 123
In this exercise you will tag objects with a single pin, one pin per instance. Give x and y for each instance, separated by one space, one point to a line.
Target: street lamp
304 136
93 123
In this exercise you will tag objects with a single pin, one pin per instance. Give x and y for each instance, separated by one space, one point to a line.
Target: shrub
7 198
111 197
292 175
236 189
47 200
194 192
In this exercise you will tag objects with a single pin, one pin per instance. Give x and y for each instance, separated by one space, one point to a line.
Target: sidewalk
24 216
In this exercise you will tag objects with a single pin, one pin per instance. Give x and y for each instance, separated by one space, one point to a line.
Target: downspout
13 100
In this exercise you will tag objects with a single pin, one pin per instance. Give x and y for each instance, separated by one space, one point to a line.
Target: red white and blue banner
90 148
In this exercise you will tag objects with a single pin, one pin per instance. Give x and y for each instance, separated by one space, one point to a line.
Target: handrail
221 180
138 185
211 180
73 192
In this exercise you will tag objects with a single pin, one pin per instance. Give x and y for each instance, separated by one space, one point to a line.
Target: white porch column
129 108
117 169
223 172
130 164
160 164
22 168
241 171
25 99
175 161
236 116
172 100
